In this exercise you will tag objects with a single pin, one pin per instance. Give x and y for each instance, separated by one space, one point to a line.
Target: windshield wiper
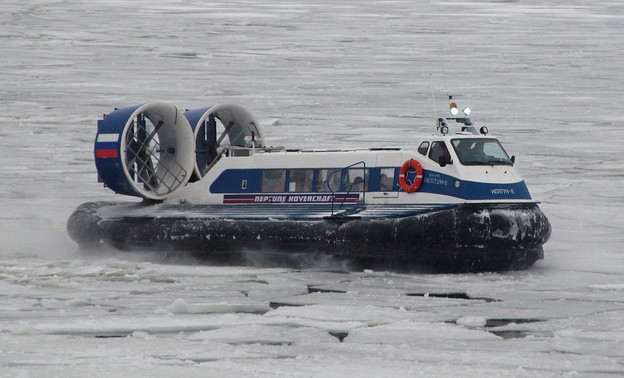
499 162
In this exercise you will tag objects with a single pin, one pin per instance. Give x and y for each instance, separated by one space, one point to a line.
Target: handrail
348 187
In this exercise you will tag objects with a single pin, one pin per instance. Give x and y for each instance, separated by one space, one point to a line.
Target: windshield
481 151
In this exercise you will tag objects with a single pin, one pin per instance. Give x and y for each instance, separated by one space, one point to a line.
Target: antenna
444 75
435 112
441 125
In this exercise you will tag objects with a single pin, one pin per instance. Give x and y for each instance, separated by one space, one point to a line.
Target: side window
300 180
322 175
422 149
273 180
438 149
356 179
386 179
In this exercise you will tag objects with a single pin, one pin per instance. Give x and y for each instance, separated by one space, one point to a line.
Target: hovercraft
210 186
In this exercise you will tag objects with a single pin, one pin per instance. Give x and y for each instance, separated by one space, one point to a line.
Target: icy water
545 76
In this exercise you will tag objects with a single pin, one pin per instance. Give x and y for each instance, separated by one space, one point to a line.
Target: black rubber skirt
464 238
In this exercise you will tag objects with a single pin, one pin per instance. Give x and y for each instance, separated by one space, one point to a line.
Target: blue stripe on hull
229 183
439 183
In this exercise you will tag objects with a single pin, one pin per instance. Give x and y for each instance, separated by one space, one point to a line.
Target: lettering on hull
291 198
498 191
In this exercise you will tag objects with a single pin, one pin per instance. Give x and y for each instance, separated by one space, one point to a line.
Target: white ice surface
546 77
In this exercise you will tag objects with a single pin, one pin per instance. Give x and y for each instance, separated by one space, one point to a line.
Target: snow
546 78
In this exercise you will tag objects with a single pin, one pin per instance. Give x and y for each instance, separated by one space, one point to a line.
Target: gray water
543 76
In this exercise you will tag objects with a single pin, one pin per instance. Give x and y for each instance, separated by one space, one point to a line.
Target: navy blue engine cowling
145 150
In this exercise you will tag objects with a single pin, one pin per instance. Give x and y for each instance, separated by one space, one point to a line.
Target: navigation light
453 108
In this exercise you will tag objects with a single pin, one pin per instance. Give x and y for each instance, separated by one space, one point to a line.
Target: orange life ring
415 165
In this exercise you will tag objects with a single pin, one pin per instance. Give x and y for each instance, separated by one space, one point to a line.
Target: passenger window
386 179
300 180
273 180
422 149
438 150
356 179
322 176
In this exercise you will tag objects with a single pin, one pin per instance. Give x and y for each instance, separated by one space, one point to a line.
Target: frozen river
544 76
